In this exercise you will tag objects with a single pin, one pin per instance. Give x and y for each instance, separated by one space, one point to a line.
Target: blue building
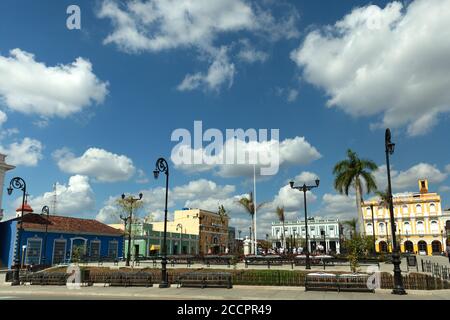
65 237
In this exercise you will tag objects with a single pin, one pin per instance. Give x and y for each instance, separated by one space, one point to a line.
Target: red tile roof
32 221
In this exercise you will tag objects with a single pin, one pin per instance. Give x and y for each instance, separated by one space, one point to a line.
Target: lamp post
45 211
398 281
132 201
162 166
181 230
305 188
124 219
18 183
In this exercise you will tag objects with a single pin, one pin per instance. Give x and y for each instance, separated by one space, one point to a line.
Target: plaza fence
437 270
293 278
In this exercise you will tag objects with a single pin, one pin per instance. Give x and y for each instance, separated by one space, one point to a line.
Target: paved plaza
96 292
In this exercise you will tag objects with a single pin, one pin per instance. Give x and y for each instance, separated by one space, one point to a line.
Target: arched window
381 228
407 227
420 228
369 229
418 208
432 207
434 227
405 209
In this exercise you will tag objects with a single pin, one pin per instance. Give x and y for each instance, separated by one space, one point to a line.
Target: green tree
350 173
281 218
248 204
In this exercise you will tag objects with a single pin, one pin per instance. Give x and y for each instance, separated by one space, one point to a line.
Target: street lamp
18 183
45 211
181 230
305 188
132 201
162 166
398 281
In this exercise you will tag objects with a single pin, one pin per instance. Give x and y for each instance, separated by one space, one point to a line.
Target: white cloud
157 25
202 188
391 61
74 199
338 206
103 165
3 118
250 54
27 152
31 87
291 199
444 189
306 177
290 94
404 180
295 151
447 168
219 73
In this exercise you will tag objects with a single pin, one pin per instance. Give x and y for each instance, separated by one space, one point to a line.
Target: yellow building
211 228
420 223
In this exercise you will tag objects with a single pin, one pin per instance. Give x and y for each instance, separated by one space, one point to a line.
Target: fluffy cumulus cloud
27 152
157 25
31 87
408 179
390 61
75 198
338 206
103 165
235 157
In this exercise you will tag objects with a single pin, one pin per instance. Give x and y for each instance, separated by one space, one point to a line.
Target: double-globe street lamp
162 166
18 183
131 200
305 188
398 281
45 211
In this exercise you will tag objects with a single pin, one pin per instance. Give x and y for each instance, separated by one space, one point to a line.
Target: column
338 247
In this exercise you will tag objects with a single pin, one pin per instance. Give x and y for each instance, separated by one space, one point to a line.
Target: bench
205 280
217 260
129 279
266 261
333 282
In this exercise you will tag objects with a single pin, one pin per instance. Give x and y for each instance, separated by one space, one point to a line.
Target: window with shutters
59 251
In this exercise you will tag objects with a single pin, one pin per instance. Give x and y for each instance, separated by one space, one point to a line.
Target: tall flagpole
255 238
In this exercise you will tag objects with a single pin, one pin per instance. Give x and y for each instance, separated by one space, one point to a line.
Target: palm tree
281 217
222 213
248 204
350 173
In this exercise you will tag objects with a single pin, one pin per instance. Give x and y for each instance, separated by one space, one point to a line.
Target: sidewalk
173 293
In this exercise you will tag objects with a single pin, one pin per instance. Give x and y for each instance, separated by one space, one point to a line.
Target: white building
295 230
3 168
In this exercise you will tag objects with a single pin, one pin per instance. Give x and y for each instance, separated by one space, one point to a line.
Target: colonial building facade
419 221
56 239
146 242
211 228
296 231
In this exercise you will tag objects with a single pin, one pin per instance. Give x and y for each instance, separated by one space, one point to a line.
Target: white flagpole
255 238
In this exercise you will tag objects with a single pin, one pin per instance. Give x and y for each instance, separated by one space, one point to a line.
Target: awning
155 247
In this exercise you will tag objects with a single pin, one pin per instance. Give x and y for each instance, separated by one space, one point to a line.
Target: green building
146 242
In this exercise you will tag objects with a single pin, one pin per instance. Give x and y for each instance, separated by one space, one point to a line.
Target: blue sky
331 75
